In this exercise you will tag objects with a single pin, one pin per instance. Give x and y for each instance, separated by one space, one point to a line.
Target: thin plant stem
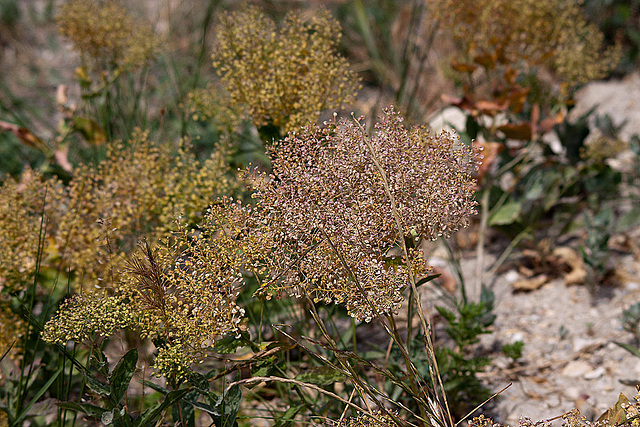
312 387
426 324
484 218
31 295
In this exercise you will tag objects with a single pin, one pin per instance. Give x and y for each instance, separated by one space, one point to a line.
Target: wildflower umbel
285 77
181 294
332 223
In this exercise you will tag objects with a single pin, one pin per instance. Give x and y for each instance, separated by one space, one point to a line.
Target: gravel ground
570 359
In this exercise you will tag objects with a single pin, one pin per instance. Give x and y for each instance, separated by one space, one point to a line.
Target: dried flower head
181 294
529 33
284 77
365 420
12 328
29 212
329 209
137 191
105 31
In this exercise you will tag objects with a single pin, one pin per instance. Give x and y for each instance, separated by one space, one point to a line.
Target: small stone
586 407
511 276
632 286
596 373
572 393
518 336
581 343
576 369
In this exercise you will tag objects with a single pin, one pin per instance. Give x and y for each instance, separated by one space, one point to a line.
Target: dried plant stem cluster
323 227
330 223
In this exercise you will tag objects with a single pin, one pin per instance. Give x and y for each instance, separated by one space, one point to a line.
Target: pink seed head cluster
333 201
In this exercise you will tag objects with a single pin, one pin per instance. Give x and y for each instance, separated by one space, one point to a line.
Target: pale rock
511 276
596 373
572 393
576 368
580 343
518 336
632 286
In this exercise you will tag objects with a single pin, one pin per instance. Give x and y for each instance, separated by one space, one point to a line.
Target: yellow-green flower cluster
12 328
106 32
529 33
211 103
379 419
182 294
600 147
139 190
330 211
29 211
284 77
88 227
87 314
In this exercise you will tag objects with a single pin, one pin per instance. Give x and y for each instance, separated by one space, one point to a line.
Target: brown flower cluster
284 77
181 294
329 211
107 33
530 33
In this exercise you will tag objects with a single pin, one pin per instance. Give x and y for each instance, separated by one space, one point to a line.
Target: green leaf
85 408
230 343
446 313
206 408
506 214
90 129
288 417
427 279
21 416
628 220
96 386
631 349
121 375
321 375
156 387
150 415
228 405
